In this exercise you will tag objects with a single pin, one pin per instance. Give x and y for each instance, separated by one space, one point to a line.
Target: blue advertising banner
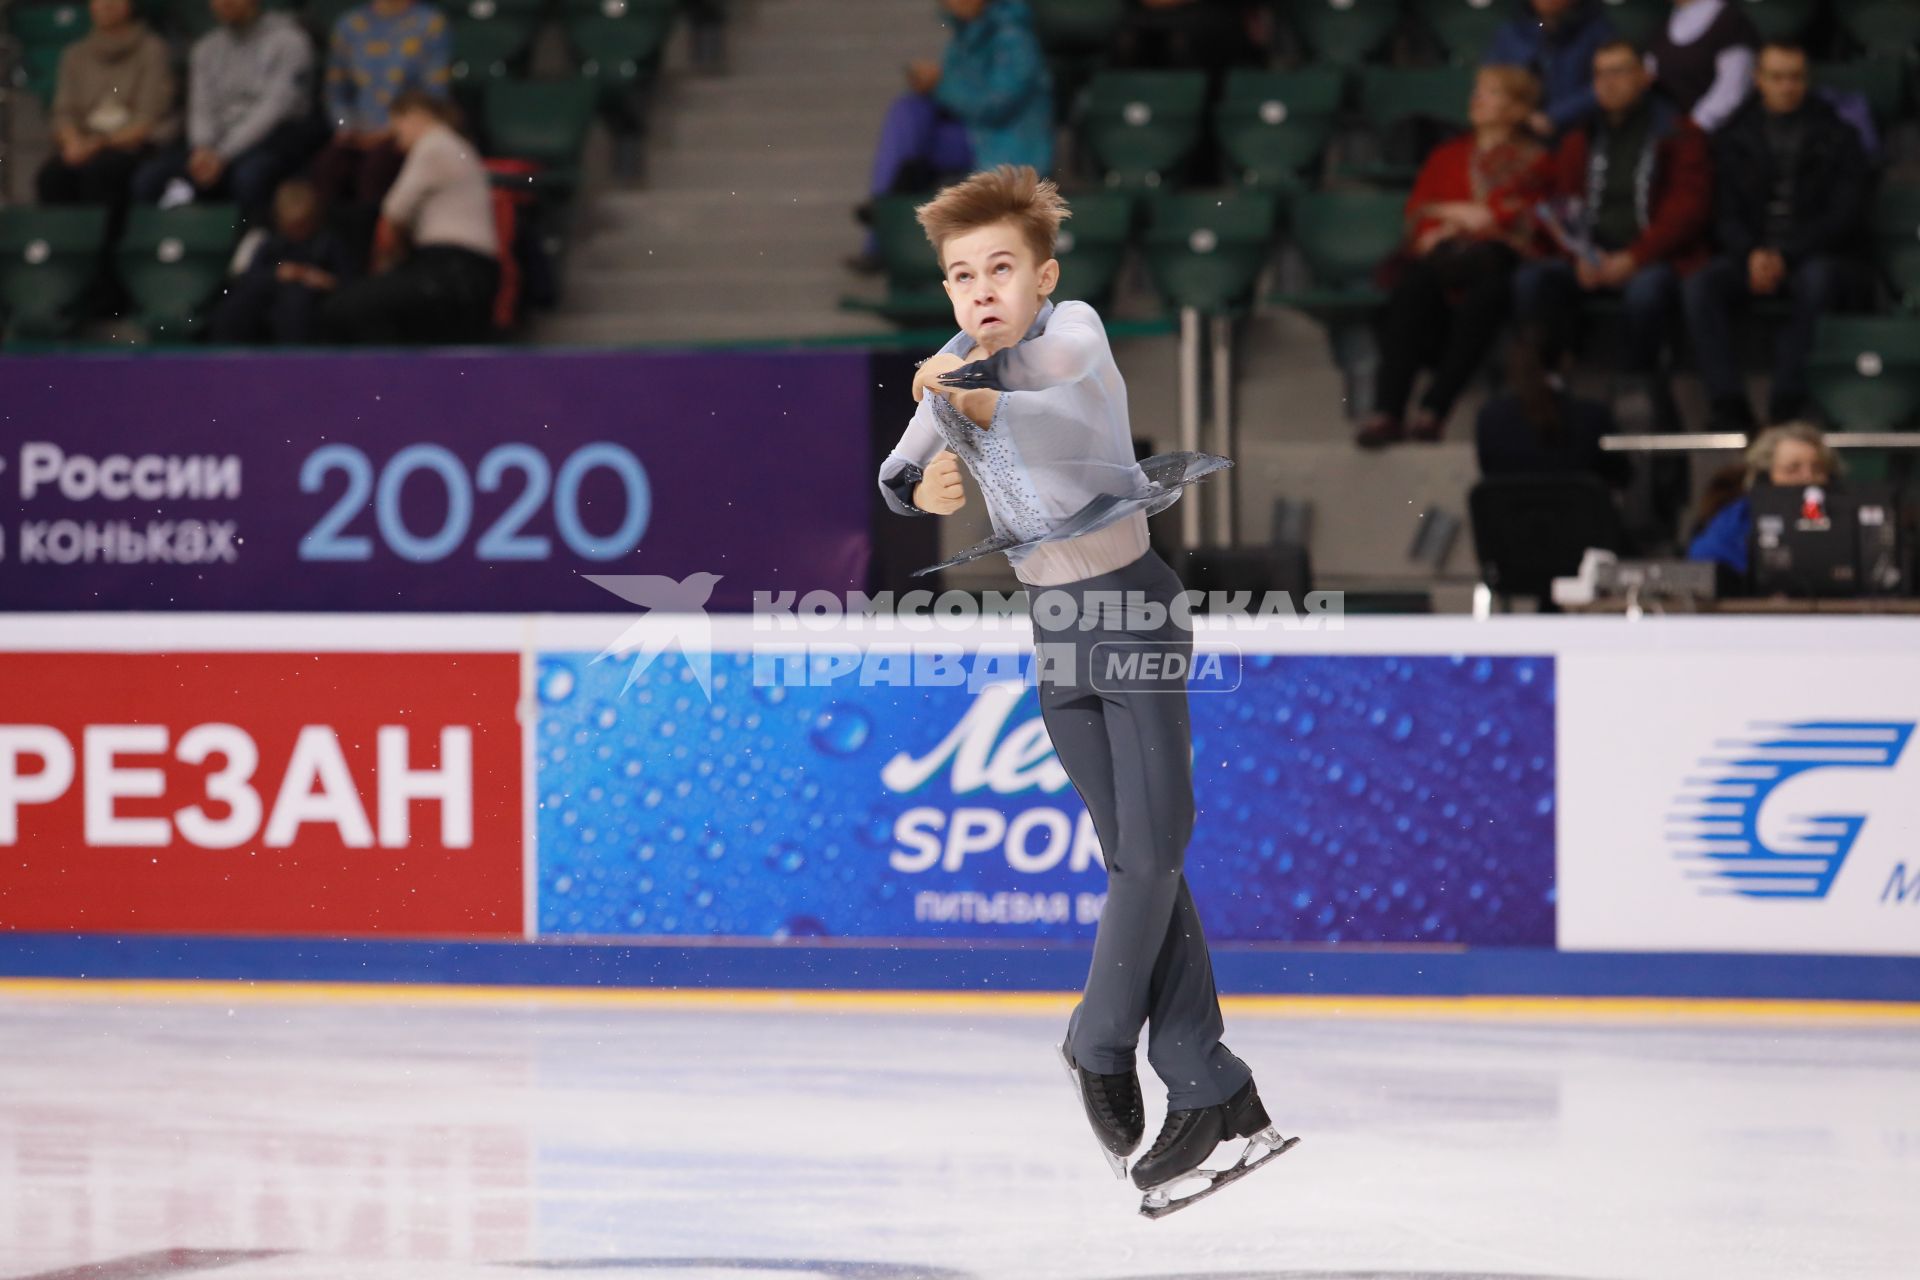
1342 799
419 482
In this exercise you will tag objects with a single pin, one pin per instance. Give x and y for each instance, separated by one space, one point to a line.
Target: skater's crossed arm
978 405
1073 347
919 477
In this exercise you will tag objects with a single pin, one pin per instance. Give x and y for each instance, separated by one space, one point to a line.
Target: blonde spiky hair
1008 192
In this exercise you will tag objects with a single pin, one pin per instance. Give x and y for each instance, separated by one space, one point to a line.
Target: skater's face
996 282
965 10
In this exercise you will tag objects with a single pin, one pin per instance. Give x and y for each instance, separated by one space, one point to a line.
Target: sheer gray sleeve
906 465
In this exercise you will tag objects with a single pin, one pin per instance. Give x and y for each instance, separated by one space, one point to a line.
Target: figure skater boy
1028 396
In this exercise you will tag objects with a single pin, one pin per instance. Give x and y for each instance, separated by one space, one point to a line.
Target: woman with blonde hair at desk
1793 453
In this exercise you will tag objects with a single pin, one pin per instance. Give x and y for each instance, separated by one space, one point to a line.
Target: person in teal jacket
987 102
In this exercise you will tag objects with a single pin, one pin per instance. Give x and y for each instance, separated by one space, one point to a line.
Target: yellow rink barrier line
1510 1008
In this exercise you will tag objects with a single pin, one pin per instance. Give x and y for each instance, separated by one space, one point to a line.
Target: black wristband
902 485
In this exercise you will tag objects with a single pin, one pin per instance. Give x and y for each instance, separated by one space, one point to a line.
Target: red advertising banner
332 794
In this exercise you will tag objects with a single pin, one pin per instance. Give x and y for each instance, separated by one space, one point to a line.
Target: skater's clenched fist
944 362
939 489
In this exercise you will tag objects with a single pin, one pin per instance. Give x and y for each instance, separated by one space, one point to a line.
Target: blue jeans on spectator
249 178
918 137
1817 284
1547 295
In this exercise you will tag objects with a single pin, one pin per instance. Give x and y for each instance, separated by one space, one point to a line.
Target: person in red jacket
1628 197
1466 231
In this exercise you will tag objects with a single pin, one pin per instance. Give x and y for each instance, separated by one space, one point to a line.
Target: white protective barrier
1723 784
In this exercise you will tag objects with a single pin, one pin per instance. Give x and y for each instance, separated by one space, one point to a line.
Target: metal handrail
1684 442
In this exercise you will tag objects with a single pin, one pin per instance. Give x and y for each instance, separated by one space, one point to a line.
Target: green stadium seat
1882 81
1389 95
1142 126
1077 26
525 11
1865 371
321 16
38 71
173 261
620 10
1637 20
1887 28
619 54
487 49
1205 250
44 31
1344 236
1344 32
48 259
58 24
1409 111
1274 125
545 121
1464 27
1780 19
914 296
1092 247
1896 237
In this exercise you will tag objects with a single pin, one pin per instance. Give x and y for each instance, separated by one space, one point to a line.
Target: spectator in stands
277 298
436 265
1629 197
379 51
112 104
1702 60
1792 454
987 102
248 113
1537 426
1466 232
1790 191
1556 40
1205 35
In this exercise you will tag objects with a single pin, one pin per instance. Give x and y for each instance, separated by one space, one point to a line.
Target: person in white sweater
436 256
250 118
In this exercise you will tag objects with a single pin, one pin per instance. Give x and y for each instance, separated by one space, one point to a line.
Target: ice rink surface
249 1136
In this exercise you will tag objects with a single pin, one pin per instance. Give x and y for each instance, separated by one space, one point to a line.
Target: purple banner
428 482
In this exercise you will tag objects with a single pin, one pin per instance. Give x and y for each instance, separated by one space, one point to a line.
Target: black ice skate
1189 1136
1114 1109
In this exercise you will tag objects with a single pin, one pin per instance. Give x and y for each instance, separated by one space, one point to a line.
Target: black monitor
1815 540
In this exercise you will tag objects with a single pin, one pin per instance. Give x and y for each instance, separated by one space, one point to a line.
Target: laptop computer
1814 540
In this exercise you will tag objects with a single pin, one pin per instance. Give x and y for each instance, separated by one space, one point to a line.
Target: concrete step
766 168
1367 506
655 247
849 128
667 326
750 292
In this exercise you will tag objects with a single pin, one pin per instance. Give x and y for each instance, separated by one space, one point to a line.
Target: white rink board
1639 731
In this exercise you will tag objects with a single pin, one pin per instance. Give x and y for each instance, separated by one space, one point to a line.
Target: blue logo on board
1719 815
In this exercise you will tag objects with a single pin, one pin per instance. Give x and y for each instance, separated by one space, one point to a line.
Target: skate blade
1114 1162
1160 1201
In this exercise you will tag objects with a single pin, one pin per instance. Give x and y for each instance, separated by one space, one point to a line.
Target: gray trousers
1123 736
